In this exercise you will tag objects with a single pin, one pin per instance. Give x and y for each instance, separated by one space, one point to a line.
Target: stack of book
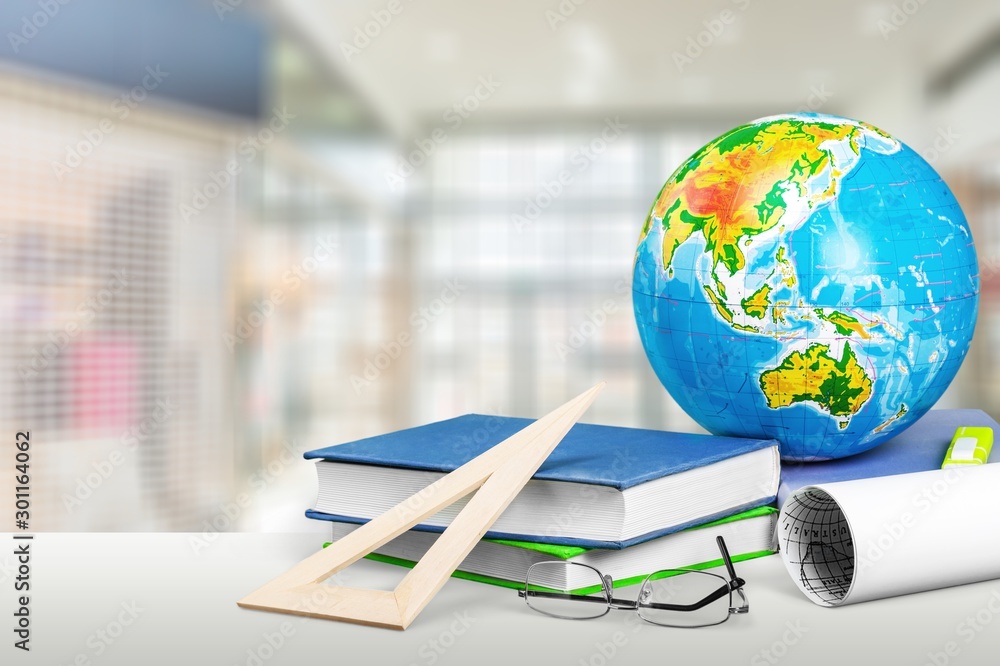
624 500
919 448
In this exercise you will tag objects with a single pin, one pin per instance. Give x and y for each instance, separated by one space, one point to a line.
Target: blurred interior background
232 231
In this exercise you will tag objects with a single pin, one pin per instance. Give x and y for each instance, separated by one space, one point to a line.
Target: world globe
806 278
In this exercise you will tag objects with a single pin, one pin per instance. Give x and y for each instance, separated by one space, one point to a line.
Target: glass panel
665 590
566 589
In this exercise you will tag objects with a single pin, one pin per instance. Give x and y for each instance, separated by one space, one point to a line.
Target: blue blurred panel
211 61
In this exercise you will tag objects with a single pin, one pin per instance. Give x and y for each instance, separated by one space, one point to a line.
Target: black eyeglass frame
727 587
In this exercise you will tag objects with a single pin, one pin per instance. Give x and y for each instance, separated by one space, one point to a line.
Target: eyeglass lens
556 588
662 592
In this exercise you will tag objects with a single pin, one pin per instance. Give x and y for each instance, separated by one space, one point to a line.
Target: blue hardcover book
602 486
919 448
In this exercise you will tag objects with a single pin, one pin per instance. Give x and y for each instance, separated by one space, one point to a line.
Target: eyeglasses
669 597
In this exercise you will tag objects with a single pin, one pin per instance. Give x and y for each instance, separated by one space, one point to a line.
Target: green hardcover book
505 563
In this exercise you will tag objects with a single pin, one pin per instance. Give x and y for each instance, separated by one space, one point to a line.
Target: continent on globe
844 323
783 155
895 417
756 304
839 387
808 278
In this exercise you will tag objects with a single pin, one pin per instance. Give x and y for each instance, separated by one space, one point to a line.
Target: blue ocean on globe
806 278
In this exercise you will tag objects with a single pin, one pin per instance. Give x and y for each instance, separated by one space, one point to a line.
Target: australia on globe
806 278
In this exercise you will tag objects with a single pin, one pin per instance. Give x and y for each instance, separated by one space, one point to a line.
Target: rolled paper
853 541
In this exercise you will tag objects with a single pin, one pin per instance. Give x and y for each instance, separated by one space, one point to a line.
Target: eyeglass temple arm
714 596
625 603
735 583
743 607
561 595
726 558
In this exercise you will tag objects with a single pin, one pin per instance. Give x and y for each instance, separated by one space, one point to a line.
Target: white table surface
185 613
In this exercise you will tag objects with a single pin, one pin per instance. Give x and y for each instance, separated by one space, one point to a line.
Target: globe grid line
758 287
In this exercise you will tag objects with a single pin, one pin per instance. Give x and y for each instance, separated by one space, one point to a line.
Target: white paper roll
854 541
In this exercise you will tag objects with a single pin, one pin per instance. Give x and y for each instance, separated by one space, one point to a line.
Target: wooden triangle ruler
497 476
